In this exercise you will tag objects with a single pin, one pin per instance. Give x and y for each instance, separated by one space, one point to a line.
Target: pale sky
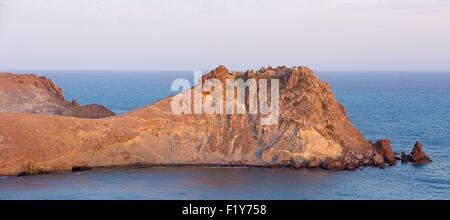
241 34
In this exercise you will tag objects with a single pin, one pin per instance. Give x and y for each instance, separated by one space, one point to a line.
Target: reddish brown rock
347 159
31 94
332 164
316 126
299 162
366 162
418 155
383 148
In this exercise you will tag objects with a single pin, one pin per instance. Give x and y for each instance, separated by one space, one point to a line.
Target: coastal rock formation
88 111
383 148
417 155
312 130
313 162
32 94
332 164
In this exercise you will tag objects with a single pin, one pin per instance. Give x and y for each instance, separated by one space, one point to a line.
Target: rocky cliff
32 94
312 130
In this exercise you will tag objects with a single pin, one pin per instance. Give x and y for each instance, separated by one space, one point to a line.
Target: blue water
401 106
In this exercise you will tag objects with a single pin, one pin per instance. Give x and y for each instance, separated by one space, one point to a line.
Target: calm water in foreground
402 106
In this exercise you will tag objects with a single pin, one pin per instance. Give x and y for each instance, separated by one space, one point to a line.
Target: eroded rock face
28 93
312 127
32 94
383 148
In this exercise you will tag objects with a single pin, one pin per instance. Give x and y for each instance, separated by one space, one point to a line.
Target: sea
403 106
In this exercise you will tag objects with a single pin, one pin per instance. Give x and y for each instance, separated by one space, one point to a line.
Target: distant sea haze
402 106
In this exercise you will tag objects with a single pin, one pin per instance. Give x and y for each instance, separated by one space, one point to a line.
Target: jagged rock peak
221 72
221 69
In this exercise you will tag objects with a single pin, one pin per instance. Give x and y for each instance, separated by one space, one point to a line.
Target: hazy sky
241 34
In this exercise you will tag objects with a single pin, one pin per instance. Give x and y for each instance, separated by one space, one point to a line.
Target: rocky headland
32 94
313 130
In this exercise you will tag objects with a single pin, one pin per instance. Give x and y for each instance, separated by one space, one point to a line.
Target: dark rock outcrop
89 111
300 164
383 148
314 162
332 164
418 155
405 158
352 166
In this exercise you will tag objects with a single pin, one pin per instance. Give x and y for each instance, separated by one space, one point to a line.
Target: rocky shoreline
37 135
352 161
381 158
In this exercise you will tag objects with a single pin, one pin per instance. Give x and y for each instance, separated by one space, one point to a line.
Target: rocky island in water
42 132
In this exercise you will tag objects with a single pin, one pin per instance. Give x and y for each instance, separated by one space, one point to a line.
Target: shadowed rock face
312 127
417 156
88 111
32 94
383 148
